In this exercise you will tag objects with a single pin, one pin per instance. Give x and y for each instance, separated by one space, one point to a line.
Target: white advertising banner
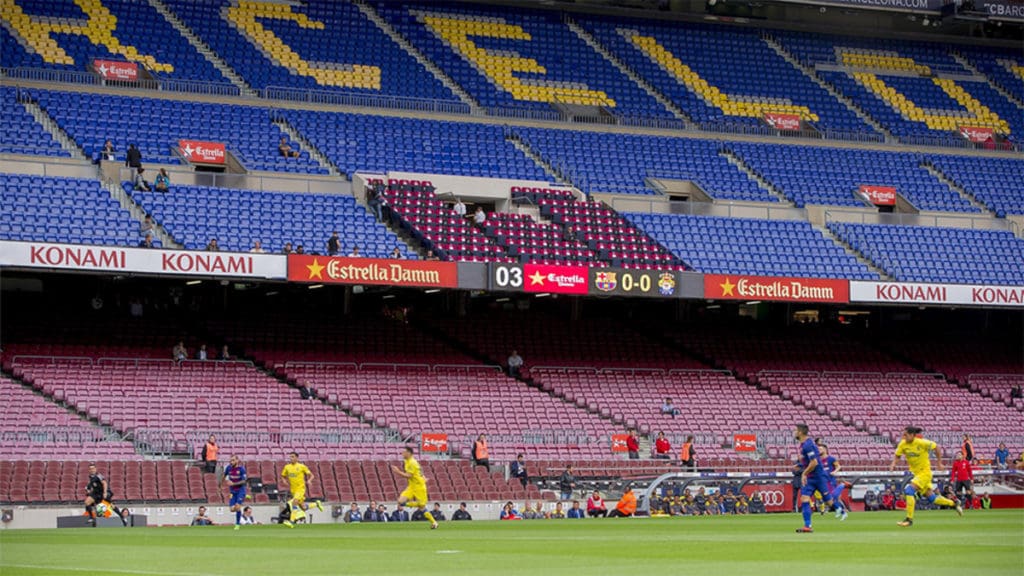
141 260
943 294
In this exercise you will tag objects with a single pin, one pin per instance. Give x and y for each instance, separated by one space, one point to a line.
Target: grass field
989 543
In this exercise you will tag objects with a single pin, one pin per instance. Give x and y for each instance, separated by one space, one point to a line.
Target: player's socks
911 503
943 501
238 517
319 506
805 508
429 516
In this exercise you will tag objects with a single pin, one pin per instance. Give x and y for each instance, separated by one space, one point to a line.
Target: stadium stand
833 176
992 181
943 255
722 245
321 45
22 134
685 62
536 242
1002 67
539 60
68 35
238 217
247 132
66 210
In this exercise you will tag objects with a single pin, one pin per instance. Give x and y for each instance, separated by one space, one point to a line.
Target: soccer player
831 465
415 494
95 491
236 478
813 478
298 476
915 449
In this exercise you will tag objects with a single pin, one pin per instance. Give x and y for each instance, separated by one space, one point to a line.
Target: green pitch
989 542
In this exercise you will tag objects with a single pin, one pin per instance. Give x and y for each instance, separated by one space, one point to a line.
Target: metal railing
946 220
337 98
143 84
394 366
279 182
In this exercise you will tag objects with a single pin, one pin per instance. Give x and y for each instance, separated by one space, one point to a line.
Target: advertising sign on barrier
378 271
434 442
202 152
782 289
116 70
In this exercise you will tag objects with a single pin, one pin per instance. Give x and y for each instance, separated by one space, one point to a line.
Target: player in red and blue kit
835 487
235 476
813 479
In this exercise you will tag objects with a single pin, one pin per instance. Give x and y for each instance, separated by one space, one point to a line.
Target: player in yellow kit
298 475
915 449
415 494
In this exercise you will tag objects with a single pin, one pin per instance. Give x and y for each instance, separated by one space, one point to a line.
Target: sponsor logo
434 442
744 442
772 497
1005 9
879 195
78 257
555 279
204 263
717 286
606 281
776 497
953 294
619 443
116 70
781 121
302 268
667 284
978 134
202 152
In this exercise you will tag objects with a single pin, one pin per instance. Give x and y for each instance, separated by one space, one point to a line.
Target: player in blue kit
236 478
813 478
835 486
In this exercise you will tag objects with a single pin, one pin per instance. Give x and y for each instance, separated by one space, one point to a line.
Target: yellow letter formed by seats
729 105
243 15
502 68
98 27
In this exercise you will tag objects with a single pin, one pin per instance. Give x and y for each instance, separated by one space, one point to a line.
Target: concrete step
978 73
941 177
58 133
851 251
314 152
139 214
761 182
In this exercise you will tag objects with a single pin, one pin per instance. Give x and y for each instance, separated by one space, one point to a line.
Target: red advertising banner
744 442
978 134
879 195
781 121
338 270
555 279
776 497
434 442
619 443
202 152
782 289
116 70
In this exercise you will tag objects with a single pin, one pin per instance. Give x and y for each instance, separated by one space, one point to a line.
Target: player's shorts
415 494
237 497
819 484
97 497
299 496
965 485
923 482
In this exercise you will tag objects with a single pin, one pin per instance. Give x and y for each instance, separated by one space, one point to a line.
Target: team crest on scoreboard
606 281
667 284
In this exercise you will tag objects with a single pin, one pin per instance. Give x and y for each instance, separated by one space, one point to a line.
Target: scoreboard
584 280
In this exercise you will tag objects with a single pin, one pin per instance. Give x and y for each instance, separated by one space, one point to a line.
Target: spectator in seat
396 254
1002 454
575 513
756 505
257 247
247 517
688 454
399 515
133 158
871 501
481 457
179 353
742 505
147 242
558 513
1016 392
209 454
108 151
459 208
146 226
509 512
287 248
333 244
518 469
595 506
431 256
162 182
201 353
285 149
462 514
139 181
528 512
437 513
633 445
567 483
479 217
626 506
888 500
662 447
669 409
299 249
355 253
212 245
201 518
370 514
306 391
382 513
225 354
515 364
353 515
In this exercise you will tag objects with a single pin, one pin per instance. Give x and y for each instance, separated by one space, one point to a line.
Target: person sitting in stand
462 514
139 182
576 513
285 149
108 151
162 182
669 409
147 242
396 254
201 518
508 512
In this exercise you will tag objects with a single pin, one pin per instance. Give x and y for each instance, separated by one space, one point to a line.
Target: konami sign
116 70
944 294
140 260
202 152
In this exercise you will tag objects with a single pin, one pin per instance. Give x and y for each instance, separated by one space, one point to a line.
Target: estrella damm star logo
537 279
727 287
316 269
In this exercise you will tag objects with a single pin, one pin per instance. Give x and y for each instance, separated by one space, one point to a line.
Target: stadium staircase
979 74
742 167
282 123
557 175
941 177
204 49
51 126
852 252
118 193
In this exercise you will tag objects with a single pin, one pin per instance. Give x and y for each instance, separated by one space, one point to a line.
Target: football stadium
512 287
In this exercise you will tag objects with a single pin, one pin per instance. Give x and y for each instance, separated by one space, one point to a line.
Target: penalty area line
78 569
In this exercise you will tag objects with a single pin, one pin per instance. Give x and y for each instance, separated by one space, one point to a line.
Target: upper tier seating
156 126
603 162
517 59
816 48
67 210
1002 66
721 245
22 134
320 45
720 75
384 144
996 182
832 176
238 217
118 30
944 255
